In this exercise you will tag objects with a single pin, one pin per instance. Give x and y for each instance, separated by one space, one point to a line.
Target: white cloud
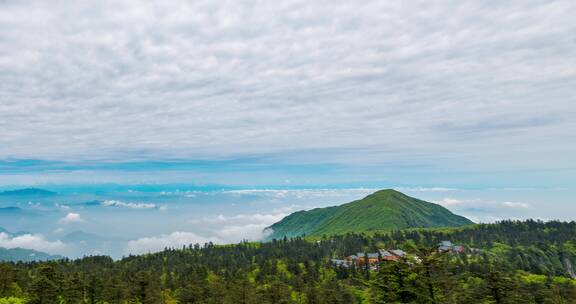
187 193
303 193
232 229
220 229
71 218
425 189
259 218
172 240
449 202
115 203
477 204
62 206
516 205
280 76
225 234
479 219
33 205
31 241
250 232
235 228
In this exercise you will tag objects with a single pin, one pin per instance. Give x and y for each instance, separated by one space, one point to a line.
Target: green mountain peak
386 209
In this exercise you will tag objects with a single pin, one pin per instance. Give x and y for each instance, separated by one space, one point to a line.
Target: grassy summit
383 210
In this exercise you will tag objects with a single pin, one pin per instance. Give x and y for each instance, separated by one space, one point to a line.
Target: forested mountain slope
382 210
517 262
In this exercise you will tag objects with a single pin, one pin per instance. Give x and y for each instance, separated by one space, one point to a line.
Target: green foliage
519 262
45 285
395 282
382 210
12 300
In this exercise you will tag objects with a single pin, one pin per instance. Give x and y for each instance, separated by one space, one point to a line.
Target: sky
478 97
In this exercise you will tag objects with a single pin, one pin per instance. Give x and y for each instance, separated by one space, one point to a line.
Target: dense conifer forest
507 262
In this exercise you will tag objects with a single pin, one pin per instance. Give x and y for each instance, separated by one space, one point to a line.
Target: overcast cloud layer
474 84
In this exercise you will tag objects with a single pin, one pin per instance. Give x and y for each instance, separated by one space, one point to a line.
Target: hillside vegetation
382 210
519 262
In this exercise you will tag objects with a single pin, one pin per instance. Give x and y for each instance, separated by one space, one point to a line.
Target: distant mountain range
13 212
13 234
10 210
382 210
21 254
28 192
25 255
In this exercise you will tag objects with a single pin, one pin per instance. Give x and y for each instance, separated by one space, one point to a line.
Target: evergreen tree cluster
517 262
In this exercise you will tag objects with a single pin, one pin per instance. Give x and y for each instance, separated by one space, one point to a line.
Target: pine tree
394 283
44 289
